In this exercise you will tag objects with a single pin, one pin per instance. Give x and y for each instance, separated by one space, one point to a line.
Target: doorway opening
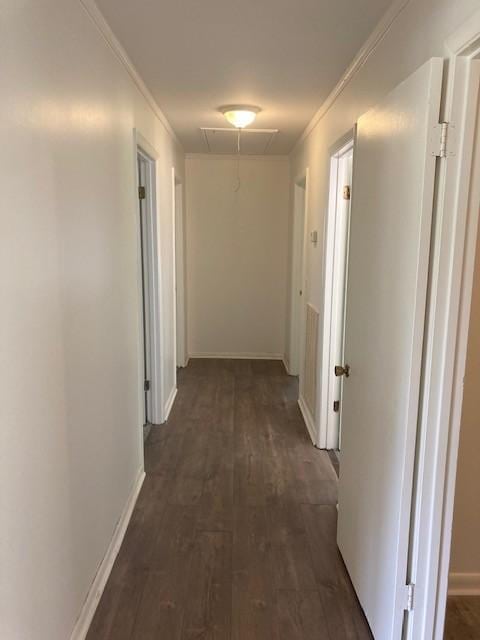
335 270
463 602
454 569
388 274
180 274
148 259
298 282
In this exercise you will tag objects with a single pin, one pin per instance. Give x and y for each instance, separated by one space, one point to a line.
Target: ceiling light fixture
240 115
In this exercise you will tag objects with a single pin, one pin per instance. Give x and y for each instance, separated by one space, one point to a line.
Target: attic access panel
252 141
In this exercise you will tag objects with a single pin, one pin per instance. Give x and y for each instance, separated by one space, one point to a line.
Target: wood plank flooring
463 618
233 534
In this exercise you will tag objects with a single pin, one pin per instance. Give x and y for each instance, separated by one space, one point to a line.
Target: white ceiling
283 55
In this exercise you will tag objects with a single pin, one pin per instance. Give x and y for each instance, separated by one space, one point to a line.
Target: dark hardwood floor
233 535
463 618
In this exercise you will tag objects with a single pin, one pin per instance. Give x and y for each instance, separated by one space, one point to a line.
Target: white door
339 277
393 186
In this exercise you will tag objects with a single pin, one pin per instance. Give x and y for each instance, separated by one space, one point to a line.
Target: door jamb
341 148
451 281
142 146
181 350
298 275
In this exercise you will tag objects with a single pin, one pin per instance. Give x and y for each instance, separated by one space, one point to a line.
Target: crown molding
110 38
465 39
360 59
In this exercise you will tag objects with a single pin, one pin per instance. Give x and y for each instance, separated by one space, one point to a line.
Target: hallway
233 535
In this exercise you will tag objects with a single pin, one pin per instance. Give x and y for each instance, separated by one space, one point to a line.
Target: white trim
377 35
237 356
464 584
342 145
296 277
326 439
169 404
465 37
286 365
452 266
174 276
174 272
102 25
298 274
142 145
305 288
307 418
97 587
460 187
179 223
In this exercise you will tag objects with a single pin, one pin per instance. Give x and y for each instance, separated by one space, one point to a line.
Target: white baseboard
169 405
308 419
85 618
286 364
239 356
464 584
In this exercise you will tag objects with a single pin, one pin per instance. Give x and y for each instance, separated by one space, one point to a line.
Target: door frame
180 324
144 178
327 438
450 294
298 273
149 154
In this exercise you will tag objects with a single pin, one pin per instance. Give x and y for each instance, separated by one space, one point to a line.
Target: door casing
298 274
181 350
393 200
335 251
144 218
148 152
450 292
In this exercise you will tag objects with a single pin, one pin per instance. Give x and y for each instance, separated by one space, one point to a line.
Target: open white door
391 218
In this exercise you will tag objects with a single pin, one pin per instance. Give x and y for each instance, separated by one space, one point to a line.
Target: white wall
236 254
70 439
465 553
418 33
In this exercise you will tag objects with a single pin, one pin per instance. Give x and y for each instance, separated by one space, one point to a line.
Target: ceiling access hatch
230 141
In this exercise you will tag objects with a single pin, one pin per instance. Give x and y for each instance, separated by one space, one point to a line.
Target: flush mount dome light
240 115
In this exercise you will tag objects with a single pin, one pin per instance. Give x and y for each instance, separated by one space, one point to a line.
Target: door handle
342 371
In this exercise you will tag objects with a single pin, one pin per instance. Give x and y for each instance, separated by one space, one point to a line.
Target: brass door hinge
141 193
346 192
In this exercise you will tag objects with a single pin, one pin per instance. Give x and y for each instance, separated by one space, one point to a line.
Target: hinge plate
346 192
409 597
336 406
442 140
146 385
141 193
